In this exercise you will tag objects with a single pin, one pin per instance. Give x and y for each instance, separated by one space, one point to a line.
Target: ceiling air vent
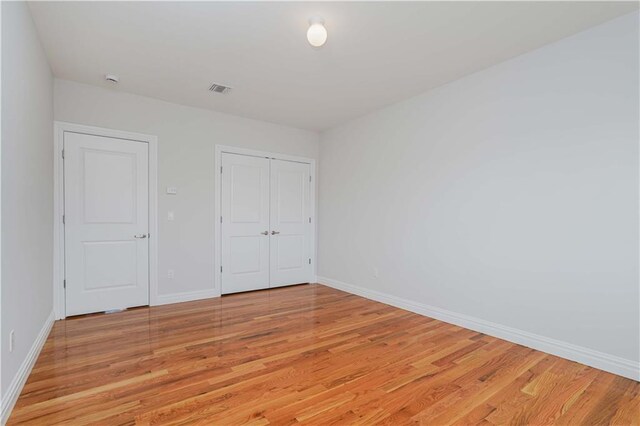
219 88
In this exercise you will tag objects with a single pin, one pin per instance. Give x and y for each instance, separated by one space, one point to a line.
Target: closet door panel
245 223
290 223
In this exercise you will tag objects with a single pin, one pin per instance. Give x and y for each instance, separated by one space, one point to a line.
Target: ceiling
377 53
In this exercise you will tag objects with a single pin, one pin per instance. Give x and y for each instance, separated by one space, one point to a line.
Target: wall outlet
375 272
12 340
170 274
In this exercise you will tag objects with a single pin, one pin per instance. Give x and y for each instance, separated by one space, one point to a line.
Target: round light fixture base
317 33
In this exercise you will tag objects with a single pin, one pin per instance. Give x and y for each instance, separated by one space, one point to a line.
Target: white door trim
217 249
59 127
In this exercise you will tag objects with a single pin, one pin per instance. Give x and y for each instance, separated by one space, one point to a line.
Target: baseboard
165 299
600 360
16 385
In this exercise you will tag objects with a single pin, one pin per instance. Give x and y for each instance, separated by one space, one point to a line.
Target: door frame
59 128
217 249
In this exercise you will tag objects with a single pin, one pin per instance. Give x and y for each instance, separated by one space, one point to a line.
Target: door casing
58 209
219 150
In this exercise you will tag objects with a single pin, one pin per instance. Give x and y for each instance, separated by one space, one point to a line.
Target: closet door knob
274 232
265 233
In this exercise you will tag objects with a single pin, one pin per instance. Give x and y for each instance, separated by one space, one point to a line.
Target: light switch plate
170 216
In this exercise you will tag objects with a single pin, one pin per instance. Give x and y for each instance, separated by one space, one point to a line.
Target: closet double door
266 223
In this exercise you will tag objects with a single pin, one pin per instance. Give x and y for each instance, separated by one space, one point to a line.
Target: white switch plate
172 190
170 216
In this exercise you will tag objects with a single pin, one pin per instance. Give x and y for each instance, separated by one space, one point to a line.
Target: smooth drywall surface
510 195
186 144
27 187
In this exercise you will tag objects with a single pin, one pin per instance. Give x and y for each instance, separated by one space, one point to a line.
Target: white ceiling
376 53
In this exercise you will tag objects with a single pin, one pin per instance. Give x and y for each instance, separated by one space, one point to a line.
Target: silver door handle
274 232
140 236
265 233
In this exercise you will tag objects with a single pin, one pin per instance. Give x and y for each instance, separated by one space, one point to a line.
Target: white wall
27 189
186 144
509 197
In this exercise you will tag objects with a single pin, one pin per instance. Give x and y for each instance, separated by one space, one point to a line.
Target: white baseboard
590 357
165 299
16 385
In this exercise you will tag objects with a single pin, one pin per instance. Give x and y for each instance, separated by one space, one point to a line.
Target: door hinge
309 261
220 169
309 220
220 219
221 269
309 178
63 154
63 219
64 283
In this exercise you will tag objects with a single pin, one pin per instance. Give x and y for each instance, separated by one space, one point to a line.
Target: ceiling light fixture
317 33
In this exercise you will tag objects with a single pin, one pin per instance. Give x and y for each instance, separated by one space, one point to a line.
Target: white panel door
245 223
290 223
106 223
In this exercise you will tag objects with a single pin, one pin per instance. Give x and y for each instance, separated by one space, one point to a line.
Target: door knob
265 233
274 232
140 236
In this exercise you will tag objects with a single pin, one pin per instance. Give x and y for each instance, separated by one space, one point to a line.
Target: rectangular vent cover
219 88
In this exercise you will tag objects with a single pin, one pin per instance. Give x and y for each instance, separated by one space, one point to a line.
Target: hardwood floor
305 354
